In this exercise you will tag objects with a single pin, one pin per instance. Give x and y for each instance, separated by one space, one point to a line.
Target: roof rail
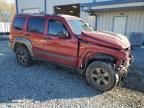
40 14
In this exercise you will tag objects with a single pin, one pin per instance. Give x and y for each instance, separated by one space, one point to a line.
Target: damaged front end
124 65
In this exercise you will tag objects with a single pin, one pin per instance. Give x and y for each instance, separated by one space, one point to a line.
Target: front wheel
101 76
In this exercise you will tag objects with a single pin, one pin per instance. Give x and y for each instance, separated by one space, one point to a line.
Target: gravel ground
47 85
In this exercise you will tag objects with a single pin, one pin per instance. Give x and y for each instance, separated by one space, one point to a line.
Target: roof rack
40 14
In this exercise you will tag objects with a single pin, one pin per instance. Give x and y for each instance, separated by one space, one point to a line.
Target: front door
119 25
57 49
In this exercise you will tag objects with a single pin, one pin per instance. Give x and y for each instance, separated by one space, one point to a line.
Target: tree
6 8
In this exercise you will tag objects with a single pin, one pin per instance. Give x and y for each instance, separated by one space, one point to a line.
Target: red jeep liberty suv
103 57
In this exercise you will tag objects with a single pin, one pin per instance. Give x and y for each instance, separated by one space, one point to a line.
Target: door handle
47 38
27 34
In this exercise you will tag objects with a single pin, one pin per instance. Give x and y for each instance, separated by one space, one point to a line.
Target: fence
4 23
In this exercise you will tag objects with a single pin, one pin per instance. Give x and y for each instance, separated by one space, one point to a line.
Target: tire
101 76
23 56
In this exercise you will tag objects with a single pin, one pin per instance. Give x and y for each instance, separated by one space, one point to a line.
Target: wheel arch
18 44
96 57
100 57
23 42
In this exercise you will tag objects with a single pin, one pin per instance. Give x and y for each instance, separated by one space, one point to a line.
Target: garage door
31 10
71 9
119 25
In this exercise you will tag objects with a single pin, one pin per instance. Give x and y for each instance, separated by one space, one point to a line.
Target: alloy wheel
100 77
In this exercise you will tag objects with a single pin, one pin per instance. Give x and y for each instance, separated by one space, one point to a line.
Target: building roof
113 5
110 2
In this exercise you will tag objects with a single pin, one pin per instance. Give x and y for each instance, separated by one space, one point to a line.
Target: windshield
78 26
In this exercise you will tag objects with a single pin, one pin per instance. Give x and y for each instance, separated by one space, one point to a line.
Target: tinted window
55 27
36 25
18 23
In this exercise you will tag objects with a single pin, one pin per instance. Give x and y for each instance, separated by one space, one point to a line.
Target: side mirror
63 34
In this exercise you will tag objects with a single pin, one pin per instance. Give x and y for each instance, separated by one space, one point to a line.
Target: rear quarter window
19 23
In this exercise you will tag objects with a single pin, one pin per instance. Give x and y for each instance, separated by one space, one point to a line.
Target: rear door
35 32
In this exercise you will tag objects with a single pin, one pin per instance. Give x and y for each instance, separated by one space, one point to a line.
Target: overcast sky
10 1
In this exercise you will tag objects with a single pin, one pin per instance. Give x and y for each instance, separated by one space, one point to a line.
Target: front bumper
122 70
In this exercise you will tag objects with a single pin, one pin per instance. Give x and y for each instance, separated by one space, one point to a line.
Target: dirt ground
47 85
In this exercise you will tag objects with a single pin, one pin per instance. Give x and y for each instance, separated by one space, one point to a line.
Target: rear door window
36 25
19 23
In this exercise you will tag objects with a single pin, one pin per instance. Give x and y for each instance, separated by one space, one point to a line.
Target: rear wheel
101 76
23 56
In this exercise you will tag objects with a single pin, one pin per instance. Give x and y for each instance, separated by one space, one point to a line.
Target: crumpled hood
107 39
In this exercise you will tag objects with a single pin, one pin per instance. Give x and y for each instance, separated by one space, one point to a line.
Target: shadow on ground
135 78
41 82
45 81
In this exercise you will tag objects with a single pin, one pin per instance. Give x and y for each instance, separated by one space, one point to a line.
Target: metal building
120 16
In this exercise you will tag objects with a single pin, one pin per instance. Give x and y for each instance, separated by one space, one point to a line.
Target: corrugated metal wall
86 17
30 4
135 22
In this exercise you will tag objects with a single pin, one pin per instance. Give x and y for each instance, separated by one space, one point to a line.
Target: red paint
71 51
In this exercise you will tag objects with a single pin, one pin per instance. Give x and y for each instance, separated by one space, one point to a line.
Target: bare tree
7 8
7 12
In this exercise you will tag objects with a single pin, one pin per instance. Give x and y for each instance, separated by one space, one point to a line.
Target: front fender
99 56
